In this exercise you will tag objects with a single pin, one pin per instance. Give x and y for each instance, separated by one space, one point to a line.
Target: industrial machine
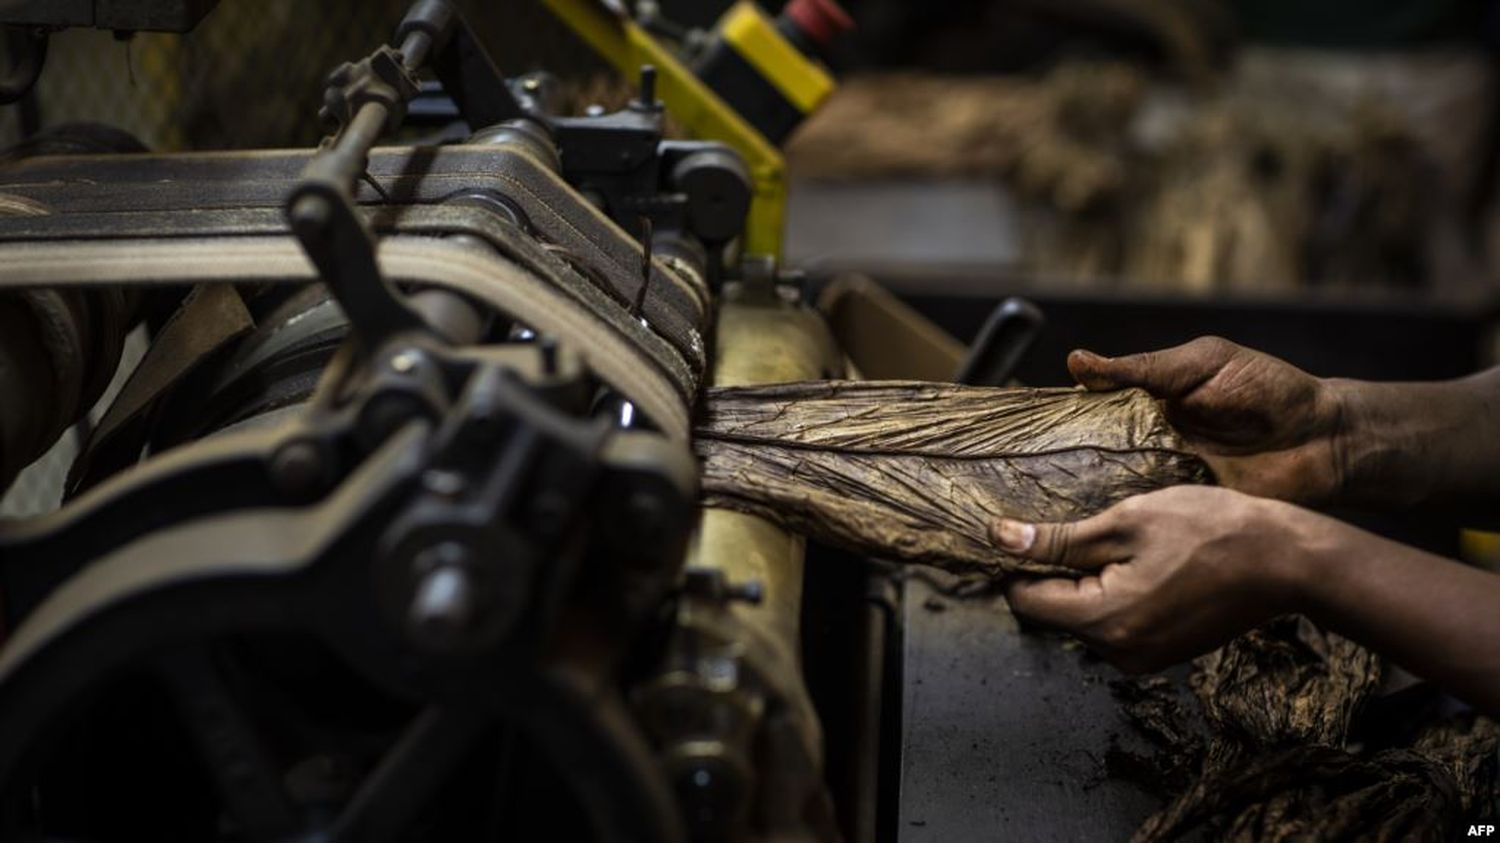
392 534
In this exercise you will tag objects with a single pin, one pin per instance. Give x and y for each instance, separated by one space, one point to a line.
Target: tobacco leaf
917 471
1316 792
1287 682
1468 746
1268 758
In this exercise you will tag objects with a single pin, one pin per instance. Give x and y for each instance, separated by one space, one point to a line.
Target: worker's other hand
1263 425
1167 575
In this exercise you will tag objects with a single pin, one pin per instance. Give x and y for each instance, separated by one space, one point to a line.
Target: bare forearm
1436 618
1407 444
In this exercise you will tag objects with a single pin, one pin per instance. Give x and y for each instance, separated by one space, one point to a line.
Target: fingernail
1014 536
1091 356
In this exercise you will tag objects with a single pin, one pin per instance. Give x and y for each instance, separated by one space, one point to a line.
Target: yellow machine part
626 46
753 35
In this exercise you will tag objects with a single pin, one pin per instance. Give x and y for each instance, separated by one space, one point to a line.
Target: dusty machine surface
387 536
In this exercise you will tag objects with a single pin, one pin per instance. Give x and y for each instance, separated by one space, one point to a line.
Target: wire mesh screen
251 74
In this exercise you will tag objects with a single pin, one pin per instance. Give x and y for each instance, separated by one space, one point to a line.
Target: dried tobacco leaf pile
1268 754
917 471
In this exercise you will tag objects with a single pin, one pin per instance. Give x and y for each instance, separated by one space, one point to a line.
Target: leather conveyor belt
234 194
618 350
663 344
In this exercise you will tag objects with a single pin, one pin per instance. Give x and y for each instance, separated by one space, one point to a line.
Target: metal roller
755 762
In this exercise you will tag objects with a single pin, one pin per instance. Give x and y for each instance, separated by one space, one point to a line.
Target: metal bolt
752 592
648 85
711 583
531 84
442 608
444 484
720 673
406 361
297 468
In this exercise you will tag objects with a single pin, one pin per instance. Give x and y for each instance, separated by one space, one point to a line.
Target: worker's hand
1264 426
1167 575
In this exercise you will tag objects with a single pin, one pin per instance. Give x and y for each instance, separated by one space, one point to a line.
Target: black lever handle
1007 335
362 101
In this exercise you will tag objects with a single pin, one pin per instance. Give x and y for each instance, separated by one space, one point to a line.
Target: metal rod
415 49
354 145
451 315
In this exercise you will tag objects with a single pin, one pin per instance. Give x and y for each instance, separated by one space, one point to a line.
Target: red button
822 20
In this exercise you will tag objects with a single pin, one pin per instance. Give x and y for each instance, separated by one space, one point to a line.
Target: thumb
1169 373
1086 544
1095 372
